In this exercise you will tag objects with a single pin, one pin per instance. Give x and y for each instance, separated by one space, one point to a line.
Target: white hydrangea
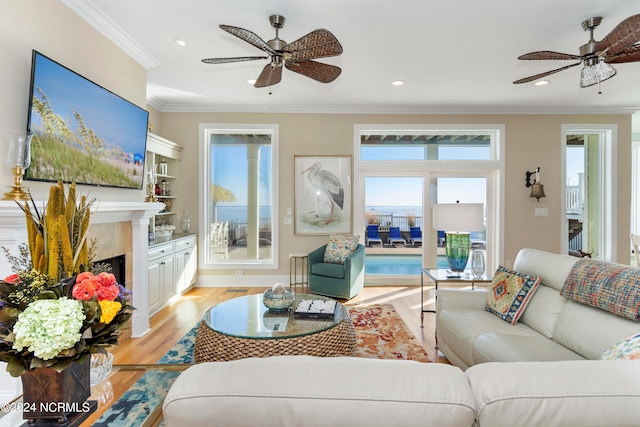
49 326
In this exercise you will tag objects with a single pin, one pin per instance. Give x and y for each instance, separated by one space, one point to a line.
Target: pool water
397 264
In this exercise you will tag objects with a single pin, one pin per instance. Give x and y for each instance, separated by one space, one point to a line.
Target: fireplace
118 268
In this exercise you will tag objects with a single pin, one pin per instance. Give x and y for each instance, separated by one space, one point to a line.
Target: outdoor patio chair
372 235
395 238
415 236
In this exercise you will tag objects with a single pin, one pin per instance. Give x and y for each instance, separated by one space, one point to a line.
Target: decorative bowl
278 299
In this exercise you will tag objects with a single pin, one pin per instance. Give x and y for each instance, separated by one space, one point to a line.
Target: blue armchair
336 280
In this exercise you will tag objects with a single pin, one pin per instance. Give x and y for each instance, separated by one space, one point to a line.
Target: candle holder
19 159
151 185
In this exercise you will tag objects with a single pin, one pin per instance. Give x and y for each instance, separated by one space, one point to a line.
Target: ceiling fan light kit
619 46
297 56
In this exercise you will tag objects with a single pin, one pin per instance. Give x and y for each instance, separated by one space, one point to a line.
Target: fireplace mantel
13 232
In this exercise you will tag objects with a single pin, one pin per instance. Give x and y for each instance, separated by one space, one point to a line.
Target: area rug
380 334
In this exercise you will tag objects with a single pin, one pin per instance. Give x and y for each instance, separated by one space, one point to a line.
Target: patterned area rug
380 334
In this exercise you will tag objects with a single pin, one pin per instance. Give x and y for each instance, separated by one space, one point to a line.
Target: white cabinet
172 269
186 263
162 275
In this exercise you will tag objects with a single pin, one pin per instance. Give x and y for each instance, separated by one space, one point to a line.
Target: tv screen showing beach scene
81 131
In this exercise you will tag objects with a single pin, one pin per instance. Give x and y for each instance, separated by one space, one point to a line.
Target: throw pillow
510 293
340 246
627 349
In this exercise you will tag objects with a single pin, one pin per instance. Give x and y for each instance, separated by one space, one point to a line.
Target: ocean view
239 213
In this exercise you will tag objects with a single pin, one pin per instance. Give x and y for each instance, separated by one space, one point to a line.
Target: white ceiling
455 56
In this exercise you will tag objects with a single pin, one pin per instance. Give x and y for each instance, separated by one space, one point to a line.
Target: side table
443 275
299 271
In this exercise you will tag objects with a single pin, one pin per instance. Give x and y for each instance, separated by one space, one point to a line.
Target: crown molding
98 20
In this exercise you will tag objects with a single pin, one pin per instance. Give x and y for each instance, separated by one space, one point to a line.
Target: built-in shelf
159 149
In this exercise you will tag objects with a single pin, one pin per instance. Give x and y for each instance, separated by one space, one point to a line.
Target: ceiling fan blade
269 76
548 54
317 44
323 73
630 54
537 76
622 36
250 37
236 59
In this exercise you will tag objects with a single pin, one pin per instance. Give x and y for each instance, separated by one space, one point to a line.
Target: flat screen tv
83 132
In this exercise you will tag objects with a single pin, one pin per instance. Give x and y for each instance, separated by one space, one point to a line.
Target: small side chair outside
395 238
415 236
372 235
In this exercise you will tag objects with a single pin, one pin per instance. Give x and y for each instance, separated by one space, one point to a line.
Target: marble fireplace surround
119 227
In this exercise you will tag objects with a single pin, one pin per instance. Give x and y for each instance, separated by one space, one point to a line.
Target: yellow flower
109 310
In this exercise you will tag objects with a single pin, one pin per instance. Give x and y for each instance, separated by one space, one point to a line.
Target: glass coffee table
243 327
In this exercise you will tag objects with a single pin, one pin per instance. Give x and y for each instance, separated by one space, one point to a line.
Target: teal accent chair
343 281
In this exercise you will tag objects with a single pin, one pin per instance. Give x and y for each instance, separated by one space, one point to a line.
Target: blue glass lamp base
457 249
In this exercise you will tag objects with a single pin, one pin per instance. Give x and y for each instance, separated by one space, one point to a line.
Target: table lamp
457 221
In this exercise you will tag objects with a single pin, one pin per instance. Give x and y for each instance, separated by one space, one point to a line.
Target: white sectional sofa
310 391
552 327
536 373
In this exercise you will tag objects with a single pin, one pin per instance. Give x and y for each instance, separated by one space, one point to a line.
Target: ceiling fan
619 46
297 56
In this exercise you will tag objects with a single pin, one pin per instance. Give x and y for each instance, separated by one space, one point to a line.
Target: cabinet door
155 282
169 280
186 268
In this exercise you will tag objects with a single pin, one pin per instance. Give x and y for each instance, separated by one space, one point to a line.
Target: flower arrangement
58 307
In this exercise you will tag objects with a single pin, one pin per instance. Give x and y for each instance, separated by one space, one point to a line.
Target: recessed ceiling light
397 83
181 42
541 82
251 82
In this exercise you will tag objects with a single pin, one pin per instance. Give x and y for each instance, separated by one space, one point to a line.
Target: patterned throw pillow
340 246
627 349
510 293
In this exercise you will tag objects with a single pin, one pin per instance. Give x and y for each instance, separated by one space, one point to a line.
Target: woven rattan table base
212 346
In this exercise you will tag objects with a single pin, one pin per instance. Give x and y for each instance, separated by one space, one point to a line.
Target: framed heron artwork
322 195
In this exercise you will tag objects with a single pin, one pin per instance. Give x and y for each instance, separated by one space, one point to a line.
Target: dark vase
57 398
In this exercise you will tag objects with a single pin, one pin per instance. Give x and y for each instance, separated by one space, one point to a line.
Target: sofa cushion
510 293
328 270
460 327
552 269
340 246
628 348
543 310
568 393
493 347
590 331
320 392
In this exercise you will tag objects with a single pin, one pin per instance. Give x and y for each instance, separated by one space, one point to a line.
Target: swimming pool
397 264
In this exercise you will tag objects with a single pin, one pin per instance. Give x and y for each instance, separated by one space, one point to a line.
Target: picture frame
323 201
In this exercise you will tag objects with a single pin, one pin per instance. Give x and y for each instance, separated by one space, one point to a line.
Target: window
238 196
451 162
